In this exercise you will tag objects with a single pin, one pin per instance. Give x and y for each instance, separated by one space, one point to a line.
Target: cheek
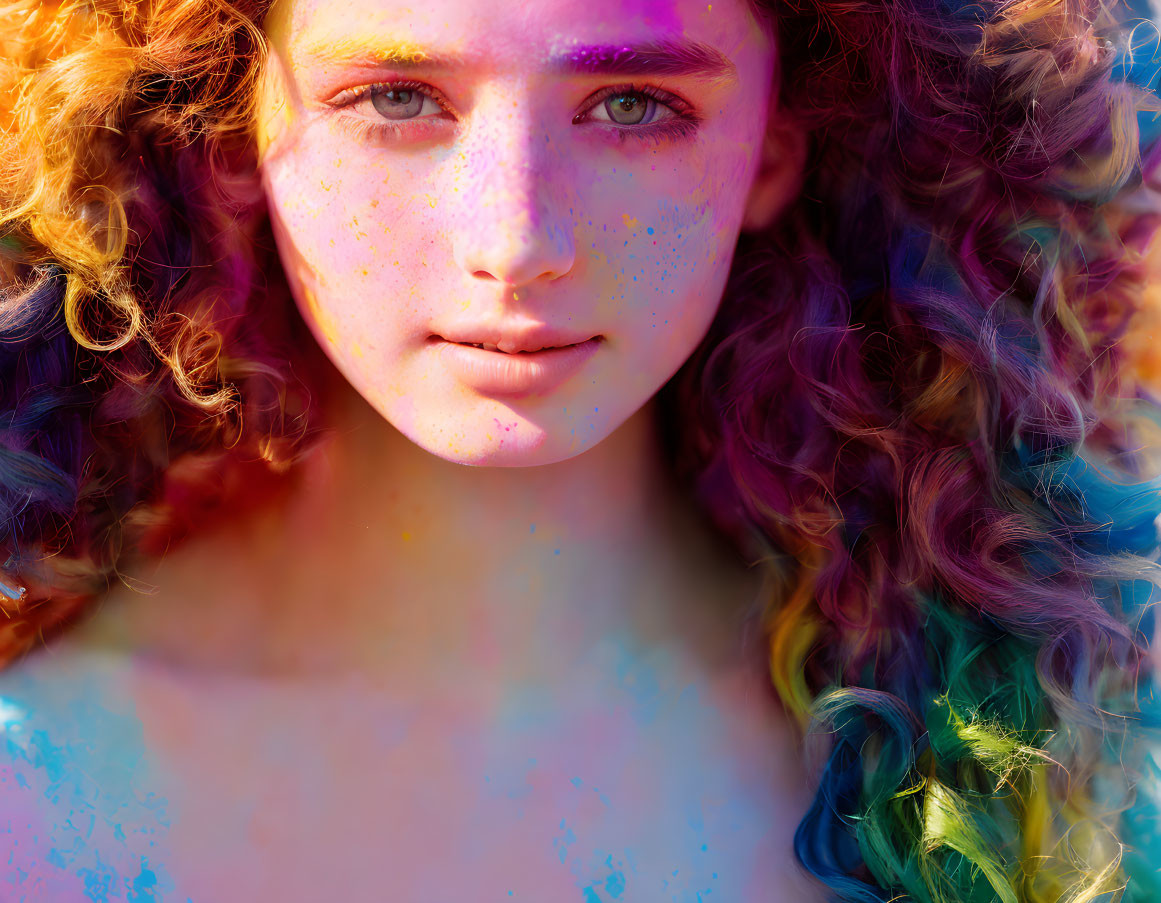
355 240
662 240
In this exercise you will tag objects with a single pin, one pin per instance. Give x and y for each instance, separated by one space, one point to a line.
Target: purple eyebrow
653 58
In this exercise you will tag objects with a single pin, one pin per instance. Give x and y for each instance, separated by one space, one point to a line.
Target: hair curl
948 489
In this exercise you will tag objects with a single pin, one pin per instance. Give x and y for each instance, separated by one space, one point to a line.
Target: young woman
572 452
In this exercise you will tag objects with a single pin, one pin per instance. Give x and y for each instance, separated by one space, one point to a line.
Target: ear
779 176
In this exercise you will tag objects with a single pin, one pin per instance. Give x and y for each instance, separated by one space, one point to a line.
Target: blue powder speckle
82 747
143 885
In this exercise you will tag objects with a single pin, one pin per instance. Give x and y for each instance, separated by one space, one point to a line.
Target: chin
498 438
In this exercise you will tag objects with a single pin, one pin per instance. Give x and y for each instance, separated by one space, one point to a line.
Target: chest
651 788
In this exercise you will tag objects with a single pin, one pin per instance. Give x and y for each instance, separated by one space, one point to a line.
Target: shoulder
76 824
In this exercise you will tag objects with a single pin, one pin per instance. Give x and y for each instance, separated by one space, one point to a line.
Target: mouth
485 346
488 346
490 370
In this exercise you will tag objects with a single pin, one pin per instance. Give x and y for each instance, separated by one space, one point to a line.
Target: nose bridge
515 226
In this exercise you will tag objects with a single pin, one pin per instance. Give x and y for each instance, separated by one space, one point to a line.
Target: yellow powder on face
630 221
325 321
271 123
367 47
274 116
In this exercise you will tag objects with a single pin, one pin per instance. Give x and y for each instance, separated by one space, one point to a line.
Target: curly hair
948 491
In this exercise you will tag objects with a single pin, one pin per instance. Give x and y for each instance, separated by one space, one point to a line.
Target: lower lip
518 375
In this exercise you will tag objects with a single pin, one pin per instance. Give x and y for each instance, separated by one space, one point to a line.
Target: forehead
493 35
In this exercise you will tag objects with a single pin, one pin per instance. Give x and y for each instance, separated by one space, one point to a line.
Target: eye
401 102
641 112
395 101
631 106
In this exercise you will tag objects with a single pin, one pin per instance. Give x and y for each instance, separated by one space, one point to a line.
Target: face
561 181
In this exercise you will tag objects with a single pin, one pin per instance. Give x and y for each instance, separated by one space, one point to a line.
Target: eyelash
684 123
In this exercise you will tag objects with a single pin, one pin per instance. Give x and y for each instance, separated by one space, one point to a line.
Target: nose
515 226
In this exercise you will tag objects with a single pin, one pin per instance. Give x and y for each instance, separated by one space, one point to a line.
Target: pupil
397 103
627 109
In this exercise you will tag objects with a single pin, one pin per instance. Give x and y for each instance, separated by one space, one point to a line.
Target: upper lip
512 339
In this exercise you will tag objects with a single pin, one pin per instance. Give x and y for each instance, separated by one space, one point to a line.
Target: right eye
396 101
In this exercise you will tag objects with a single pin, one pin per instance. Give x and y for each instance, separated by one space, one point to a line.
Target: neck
388 557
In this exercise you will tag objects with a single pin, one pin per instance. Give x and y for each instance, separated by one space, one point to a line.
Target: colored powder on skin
78 824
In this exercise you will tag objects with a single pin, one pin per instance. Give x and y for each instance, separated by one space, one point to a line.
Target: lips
518 374
510 339
488 346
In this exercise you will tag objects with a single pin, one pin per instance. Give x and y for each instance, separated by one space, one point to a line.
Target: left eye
630 108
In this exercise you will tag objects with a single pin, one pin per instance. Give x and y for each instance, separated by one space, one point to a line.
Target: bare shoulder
123 775
77 820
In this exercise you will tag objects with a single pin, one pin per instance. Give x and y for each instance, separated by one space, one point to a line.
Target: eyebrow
658 57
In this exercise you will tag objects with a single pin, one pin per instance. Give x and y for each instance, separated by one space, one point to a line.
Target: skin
507 597
507 210
438 515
